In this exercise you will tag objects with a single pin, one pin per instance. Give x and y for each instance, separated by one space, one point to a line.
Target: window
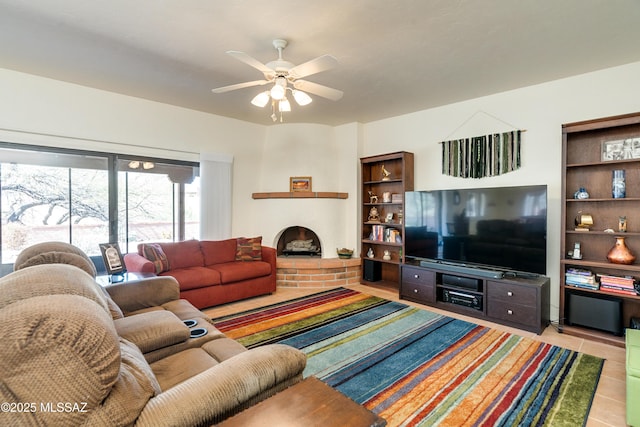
64 195
156 202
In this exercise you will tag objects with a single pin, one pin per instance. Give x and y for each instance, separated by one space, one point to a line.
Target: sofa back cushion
54 253
181 254
218 251
57 348
50 280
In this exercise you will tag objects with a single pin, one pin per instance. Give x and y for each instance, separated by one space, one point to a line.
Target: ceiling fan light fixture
284 105
261 99
301 98
279 89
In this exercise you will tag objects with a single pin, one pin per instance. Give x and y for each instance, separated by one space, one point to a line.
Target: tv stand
464 269
517 300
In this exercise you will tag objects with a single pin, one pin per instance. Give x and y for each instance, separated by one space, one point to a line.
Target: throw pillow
154 253
249 249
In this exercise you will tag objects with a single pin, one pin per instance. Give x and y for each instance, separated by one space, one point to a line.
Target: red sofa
210 272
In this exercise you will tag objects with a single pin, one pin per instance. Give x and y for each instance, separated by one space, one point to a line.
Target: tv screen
502 227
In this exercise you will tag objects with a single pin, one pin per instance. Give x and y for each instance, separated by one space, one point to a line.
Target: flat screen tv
502 228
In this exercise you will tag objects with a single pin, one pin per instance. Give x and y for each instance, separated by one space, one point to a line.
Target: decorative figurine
583 222
385 174
386 197
372 197
386 256
373 214
370 253
622 224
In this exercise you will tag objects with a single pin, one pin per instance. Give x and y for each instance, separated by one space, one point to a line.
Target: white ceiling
395 57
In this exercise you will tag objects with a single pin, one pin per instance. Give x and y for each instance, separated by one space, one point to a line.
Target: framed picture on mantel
300 183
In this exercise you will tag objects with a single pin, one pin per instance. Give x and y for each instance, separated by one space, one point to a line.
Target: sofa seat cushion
174 369
236 271
194 277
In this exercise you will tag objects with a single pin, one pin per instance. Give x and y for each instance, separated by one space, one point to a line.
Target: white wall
540 110
329 156
48 112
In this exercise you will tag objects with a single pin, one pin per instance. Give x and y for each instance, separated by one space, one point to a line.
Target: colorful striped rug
415 367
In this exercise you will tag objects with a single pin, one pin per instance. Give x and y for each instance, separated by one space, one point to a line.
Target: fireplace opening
298 241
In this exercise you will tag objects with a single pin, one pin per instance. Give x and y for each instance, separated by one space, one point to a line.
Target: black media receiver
462 298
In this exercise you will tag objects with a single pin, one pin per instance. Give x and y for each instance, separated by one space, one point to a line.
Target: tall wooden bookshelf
384 234
585 165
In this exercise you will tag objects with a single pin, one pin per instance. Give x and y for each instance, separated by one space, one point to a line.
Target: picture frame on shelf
112 257
621 149
299 183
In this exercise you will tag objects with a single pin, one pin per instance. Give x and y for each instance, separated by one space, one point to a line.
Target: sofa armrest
139 294
139 264
153 330
269 255
224 388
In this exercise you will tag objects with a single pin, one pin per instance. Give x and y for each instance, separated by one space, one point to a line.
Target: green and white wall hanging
482 156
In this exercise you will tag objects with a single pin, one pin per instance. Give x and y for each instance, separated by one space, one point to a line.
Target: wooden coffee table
308 403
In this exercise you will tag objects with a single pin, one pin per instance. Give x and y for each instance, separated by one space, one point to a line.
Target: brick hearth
310 272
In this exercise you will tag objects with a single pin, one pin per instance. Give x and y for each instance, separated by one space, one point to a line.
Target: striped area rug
415 367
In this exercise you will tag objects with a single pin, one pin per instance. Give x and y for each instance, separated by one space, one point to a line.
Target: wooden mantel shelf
300 195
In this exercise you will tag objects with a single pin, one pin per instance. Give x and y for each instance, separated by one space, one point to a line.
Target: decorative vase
618 185
581 194
620 253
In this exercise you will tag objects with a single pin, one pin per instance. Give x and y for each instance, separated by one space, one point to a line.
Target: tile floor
608 407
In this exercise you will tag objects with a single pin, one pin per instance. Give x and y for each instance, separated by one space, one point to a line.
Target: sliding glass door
87 198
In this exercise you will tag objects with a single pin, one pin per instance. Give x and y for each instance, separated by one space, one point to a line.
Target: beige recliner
148 312
63 360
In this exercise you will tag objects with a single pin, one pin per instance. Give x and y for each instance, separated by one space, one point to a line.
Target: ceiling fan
285 76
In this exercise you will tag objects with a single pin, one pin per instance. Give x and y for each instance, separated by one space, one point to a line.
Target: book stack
580 278
617 284
377 233
392 235
380 233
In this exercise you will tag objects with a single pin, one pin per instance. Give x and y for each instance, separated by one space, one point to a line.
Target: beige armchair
66 361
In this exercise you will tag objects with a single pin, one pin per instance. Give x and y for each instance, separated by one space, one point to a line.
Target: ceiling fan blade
317 89
321 63
224 89
241 56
